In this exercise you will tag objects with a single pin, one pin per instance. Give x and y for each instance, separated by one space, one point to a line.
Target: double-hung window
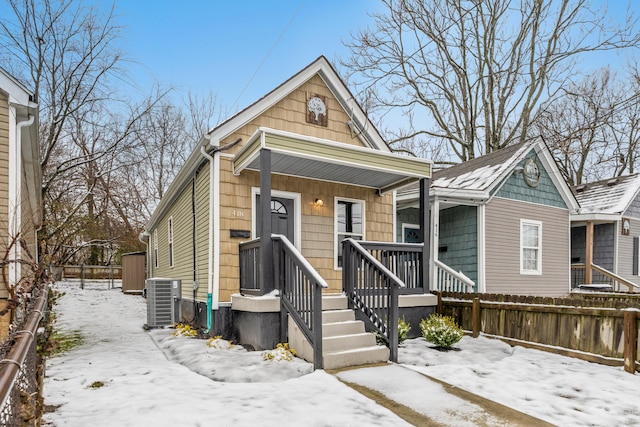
530 247
349 222
170 239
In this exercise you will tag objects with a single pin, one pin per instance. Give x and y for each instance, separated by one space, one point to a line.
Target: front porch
382 282
372 276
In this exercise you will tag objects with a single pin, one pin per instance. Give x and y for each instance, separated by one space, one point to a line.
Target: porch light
319 202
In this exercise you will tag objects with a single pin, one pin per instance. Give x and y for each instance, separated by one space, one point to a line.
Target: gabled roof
395 170
18 93
476 180
321 66
607 197
482 173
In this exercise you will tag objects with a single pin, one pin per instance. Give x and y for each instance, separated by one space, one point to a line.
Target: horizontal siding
625 252
4 176
502 249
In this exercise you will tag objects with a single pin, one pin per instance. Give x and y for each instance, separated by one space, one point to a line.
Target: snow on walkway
142 387
189 384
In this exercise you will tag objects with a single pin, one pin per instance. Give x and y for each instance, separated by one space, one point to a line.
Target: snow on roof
482 172
609 196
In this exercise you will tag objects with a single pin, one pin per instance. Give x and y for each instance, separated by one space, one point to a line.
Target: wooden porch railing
449 280
299 284
402 259
300 288
372 289
250 267
601 276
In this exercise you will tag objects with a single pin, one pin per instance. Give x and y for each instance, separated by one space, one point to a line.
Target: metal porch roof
314 158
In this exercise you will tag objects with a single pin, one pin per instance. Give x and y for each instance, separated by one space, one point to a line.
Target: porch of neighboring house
381 282
593 252
605 252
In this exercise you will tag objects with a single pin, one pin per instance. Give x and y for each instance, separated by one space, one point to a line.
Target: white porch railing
449 280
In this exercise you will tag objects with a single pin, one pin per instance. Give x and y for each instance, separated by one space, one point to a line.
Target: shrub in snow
183 330
403 329
281 352
441 330
218 343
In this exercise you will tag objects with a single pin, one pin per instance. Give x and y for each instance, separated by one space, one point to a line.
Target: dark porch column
266 244
425 230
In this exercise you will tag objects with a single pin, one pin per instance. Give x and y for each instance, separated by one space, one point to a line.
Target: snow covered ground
125 376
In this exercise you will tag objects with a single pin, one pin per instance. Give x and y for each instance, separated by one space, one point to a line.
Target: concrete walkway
427 401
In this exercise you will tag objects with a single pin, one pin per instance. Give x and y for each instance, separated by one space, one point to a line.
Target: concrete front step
334 302
334 316
348 342
342 328
359 356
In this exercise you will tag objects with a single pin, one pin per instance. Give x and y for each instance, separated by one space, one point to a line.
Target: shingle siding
545 193
458 239
633 210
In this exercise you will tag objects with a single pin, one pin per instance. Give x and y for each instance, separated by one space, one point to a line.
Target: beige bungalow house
605 235
281 227
20 180
500 223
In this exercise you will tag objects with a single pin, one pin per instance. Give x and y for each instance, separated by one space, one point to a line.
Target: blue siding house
500 223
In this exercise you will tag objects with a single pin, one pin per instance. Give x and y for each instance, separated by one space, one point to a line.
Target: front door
282 217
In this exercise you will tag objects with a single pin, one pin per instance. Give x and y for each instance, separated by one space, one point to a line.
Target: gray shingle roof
609 196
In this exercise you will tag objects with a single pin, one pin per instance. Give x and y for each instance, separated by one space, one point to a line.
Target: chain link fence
21 366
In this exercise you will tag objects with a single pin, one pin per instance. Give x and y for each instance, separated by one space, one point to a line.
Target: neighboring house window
636 256
170 238
411 233
155 248
530 247
349 222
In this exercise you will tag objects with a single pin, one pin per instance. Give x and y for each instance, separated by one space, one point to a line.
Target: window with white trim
349 222
170 239
155 248
530 247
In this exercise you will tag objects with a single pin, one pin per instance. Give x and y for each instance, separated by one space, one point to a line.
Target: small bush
281 352
441 330
403 330
218 343
183 330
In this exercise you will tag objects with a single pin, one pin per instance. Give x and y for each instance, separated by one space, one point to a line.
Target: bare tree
593 130
473 72
67 53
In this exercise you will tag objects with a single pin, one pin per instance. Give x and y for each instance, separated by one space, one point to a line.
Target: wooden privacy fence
598 330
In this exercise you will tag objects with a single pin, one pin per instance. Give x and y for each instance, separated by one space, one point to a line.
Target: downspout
213 271
144 238
213 264
15 220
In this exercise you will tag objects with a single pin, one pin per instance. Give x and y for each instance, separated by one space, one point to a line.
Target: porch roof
314 158
610 197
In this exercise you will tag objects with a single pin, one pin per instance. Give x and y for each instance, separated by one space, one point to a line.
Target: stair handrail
304 309
370 296
458 277
611 275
